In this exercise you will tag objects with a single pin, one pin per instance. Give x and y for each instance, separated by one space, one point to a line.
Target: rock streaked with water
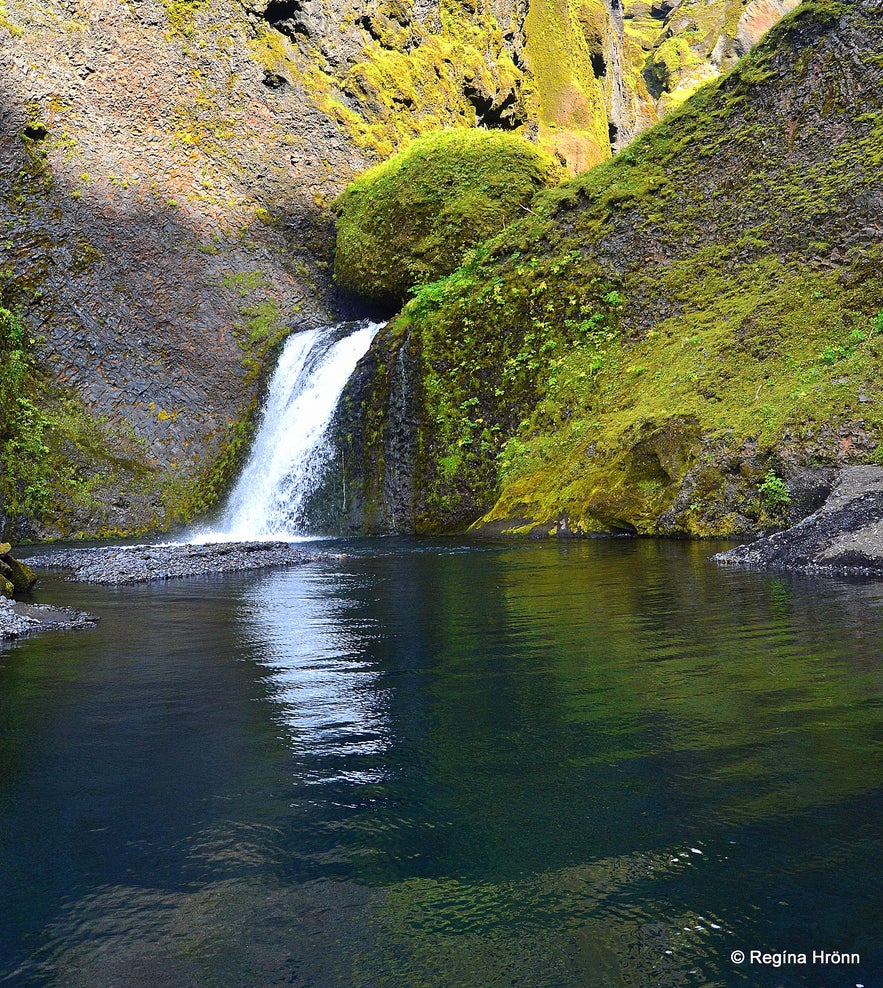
845 536
18 619
146 563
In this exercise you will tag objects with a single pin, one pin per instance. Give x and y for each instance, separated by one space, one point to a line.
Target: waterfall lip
291 450
211 537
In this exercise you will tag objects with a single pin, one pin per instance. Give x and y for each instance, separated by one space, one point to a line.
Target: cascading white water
291 450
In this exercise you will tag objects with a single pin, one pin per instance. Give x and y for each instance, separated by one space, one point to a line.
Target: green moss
85 256
58 462
408 72
745 359
24 480
413 77
188 498
409 220
245 281
557 387
181 14
560 39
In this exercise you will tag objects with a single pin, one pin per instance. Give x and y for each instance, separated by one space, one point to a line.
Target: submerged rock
845 536
146 563
18 619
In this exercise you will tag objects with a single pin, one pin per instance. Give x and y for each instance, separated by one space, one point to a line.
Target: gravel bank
18 619
144 563
844 537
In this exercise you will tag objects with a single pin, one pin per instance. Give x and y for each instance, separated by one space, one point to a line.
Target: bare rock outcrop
845 536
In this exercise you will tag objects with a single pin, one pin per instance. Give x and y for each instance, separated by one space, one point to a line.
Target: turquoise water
587 764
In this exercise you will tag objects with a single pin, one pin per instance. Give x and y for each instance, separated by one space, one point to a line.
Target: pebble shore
145 563
18 619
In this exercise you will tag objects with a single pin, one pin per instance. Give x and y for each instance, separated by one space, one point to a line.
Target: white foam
291 451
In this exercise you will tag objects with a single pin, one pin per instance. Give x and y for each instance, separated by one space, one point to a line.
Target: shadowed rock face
845 536
164 227
165 175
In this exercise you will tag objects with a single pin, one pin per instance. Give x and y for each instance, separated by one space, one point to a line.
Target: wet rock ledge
145 563
844 537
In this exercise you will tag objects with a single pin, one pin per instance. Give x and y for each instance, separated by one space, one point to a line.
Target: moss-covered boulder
409 220
19 574
15 576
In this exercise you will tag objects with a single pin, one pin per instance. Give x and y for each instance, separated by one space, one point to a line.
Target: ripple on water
539 766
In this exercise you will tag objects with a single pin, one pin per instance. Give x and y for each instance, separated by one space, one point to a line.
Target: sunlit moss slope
675 340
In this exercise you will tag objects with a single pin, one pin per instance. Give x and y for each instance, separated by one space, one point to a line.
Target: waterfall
291 450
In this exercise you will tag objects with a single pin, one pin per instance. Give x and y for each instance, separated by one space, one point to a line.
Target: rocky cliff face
581 77
166 170
164 226
683 341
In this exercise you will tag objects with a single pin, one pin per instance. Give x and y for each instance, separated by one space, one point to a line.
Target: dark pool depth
587 764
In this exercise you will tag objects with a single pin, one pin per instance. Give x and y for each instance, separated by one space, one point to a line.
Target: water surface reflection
604 764
316 641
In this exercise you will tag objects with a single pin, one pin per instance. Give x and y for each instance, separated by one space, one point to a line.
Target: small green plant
774 492
831 354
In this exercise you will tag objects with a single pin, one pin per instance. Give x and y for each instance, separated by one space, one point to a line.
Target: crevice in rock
663 8
273 81
281 10
367 22
599 65
621 114
656 80
286 17
495 116
35 132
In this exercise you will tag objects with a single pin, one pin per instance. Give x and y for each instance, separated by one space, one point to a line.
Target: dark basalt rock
845 536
